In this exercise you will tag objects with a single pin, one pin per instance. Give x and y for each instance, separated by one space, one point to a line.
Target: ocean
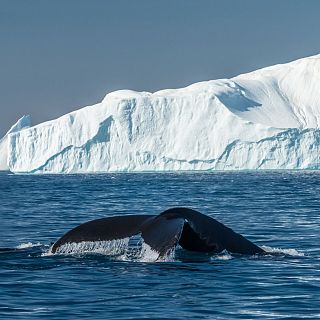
276 210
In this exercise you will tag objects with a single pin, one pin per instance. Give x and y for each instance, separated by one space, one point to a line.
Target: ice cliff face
267 119
22 123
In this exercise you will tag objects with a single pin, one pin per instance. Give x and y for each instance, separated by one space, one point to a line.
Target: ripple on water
277 210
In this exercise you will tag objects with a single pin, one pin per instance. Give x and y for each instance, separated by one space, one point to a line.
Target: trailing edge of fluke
192 230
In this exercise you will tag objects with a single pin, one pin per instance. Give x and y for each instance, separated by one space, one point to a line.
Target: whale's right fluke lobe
205 234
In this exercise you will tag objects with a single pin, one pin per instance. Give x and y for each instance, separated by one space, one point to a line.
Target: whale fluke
162 234
105 229
205 234
190 229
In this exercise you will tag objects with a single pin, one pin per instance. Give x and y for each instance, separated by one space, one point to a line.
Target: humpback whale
192 230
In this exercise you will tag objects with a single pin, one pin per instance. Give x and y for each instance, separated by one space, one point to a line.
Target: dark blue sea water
277 210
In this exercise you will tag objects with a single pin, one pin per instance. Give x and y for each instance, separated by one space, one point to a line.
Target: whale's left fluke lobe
105 229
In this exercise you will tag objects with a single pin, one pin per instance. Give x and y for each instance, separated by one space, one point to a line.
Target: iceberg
22 123
266 119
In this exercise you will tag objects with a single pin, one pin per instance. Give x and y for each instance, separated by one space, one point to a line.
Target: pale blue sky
57 56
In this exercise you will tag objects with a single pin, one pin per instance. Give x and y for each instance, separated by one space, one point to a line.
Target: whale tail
190 229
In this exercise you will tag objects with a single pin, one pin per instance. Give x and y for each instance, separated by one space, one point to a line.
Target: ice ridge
266 119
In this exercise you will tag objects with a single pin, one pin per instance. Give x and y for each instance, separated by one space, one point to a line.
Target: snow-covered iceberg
267 119
22 123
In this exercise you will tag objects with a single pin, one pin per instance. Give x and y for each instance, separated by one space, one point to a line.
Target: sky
58 56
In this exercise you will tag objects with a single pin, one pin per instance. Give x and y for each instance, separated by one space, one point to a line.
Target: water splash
111 248
288 252
134 249
139 253
28 245
224 255
149 255
127 249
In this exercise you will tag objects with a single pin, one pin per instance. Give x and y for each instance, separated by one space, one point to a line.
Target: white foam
28 245
140 253
222 256
150 255
289 252
123 250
